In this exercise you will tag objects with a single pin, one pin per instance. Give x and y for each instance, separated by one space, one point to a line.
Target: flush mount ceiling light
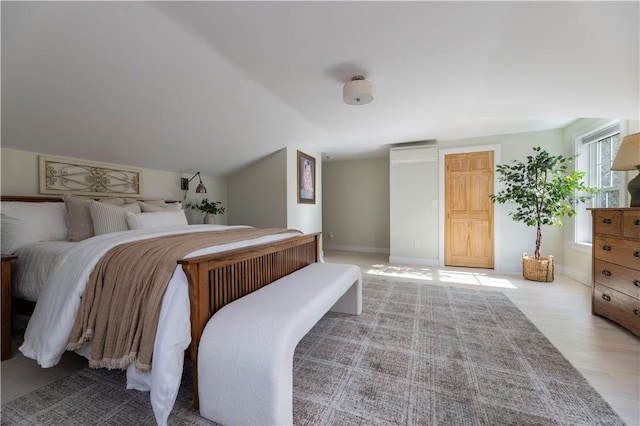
357 91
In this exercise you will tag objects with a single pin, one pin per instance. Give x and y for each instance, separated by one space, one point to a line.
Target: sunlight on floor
430 274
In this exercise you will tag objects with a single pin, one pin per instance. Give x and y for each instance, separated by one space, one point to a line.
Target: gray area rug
418 354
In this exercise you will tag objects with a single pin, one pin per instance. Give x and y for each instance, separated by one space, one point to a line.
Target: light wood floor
607 355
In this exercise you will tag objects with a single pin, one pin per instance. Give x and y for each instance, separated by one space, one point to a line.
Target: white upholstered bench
245 357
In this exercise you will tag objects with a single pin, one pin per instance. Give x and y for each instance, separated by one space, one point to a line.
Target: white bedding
48 330
33 265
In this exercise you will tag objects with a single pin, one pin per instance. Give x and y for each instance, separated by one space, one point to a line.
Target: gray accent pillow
79 217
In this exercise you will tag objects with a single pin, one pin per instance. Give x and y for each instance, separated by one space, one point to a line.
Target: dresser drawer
624 280
607 222
631 224
615 250
617 307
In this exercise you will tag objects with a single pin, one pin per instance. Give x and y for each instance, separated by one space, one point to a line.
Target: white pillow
151 208
157 203
25 223
108 218
156 219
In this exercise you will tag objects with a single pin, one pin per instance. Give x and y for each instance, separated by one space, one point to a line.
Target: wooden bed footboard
220 278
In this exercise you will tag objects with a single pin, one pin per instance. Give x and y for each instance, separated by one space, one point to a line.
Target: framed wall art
70 176
306 179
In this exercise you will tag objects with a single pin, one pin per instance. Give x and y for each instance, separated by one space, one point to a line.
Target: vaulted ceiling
213 86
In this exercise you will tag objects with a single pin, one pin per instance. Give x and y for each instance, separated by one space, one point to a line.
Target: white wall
258 193
20 176
264 194
414 230
417 205
216 191
355 207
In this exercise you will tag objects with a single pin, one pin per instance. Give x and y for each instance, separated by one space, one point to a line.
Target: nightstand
6 306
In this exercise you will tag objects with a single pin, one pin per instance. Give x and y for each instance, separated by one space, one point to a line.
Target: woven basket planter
537 269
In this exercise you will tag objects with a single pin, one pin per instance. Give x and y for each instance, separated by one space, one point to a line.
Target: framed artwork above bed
70 176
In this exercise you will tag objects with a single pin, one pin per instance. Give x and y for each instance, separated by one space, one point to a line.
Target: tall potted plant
544 190
210 208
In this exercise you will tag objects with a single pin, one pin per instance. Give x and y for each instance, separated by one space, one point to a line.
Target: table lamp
628 158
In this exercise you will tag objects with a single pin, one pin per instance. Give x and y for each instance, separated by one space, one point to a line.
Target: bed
202 283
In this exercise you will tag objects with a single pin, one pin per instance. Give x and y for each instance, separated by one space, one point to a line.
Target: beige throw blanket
121 304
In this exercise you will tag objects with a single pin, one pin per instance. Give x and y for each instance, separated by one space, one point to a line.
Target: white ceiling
213 86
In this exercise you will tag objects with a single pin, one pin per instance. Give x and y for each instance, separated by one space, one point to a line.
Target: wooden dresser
616 266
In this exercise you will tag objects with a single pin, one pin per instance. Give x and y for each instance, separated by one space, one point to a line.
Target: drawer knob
606 248
606 297
636 312
637 222
636 283
636 254
606 273
606 221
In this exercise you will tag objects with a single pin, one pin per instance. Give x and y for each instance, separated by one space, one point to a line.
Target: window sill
583 247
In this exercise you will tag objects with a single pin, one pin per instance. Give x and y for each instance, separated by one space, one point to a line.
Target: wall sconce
628 158
200 189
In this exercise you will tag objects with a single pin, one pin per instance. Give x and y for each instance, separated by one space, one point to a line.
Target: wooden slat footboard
220 278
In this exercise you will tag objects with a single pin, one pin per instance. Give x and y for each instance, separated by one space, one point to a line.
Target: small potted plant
544 190
210 208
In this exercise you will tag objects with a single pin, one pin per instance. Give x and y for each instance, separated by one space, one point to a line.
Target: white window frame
583 149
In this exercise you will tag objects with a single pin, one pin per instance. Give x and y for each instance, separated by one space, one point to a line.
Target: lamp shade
358 91
201 189
628 157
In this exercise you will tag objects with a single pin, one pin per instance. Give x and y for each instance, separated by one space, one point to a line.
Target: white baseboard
505 267
357 249
580 276
517 267
509 267
414 261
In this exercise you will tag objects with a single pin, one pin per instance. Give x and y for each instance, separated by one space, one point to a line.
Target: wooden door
468 209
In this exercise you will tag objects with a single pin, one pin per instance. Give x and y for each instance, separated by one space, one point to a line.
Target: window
596 151
603 152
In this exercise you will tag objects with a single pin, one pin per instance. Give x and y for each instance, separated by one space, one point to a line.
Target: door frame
497 208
